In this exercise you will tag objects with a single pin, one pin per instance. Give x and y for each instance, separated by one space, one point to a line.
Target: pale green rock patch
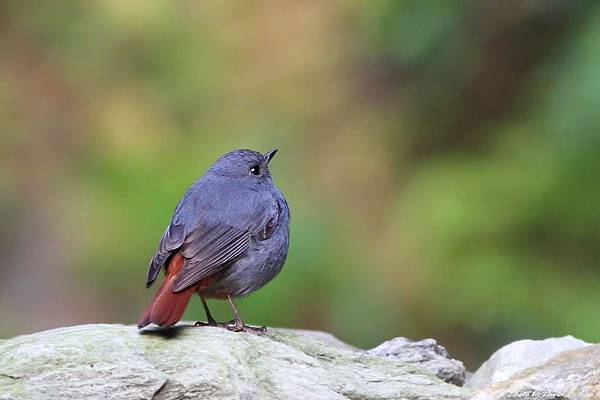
118 362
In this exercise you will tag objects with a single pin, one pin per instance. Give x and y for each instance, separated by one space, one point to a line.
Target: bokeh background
441 159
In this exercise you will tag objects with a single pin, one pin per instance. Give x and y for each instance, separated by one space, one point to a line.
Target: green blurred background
441 159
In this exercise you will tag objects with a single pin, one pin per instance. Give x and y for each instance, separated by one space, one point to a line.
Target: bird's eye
255 170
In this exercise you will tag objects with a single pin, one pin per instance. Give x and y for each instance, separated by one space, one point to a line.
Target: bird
228 237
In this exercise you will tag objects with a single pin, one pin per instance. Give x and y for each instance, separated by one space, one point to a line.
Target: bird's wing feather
172 239
209 251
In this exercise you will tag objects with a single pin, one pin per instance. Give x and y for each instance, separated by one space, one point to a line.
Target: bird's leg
209 317
238 325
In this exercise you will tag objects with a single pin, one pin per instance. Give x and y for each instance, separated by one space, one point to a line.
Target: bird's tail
166 308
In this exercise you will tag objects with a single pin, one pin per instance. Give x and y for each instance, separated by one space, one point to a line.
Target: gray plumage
233 224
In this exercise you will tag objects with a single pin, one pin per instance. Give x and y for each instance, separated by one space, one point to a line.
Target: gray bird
229 236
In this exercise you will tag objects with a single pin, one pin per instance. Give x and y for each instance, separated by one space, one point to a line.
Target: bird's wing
207 251
206 248
172 239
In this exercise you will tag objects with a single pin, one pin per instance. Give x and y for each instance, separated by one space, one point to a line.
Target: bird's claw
202 323
233 326
238 326
215 324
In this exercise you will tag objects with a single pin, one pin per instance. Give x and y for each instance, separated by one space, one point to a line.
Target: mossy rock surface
105 361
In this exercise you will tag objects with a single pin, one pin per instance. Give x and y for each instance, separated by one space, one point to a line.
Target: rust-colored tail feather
166 308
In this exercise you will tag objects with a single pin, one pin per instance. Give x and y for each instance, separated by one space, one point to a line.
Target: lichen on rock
105 361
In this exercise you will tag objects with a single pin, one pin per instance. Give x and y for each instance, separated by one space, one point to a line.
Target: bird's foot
202 323
215 324
233 326
238 326
211 322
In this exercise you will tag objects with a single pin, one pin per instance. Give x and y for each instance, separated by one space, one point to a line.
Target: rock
117 362
570 375
519 355
322 336
426 354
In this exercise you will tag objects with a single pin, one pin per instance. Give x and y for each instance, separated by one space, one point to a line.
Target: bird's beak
268 156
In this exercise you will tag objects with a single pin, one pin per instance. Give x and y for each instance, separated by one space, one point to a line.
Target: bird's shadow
171 332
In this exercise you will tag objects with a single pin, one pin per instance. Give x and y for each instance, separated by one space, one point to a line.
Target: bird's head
249 165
